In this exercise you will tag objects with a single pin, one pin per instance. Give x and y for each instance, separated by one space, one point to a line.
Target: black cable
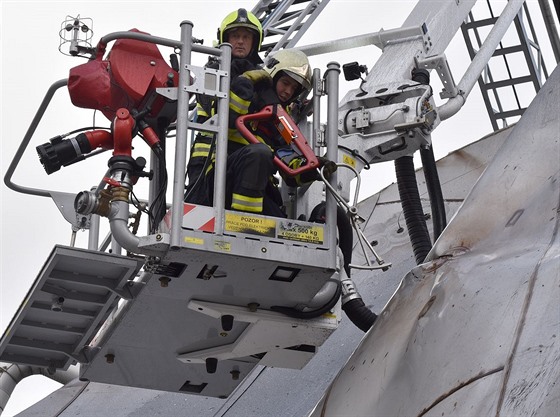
356 153
158 204
435 193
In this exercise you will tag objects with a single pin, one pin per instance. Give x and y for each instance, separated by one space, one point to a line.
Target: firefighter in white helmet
250 181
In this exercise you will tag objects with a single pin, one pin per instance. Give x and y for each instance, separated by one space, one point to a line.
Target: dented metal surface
474 330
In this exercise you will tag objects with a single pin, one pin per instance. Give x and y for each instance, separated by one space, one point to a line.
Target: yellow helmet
292 63
245 19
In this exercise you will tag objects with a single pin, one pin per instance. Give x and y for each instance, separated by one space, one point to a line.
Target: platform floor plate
70 298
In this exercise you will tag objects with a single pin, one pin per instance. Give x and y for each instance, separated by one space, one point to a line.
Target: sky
31 63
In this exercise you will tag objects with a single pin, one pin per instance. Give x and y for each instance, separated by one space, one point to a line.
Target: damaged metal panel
473 331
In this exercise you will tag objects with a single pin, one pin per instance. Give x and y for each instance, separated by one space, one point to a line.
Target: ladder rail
287 19
492 90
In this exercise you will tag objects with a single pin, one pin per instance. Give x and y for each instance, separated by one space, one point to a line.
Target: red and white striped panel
195 217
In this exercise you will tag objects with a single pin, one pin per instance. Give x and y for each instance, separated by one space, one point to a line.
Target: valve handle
112 182
287 129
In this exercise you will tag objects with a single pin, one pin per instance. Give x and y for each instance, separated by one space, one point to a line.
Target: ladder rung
508 50
509 113
480 23
506 83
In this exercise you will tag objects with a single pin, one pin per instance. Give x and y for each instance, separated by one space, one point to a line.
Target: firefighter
250 182
244 32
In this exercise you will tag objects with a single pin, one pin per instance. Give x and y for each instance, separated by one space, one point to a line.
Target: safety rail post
221 145
181 136
93 236
332 75
316 128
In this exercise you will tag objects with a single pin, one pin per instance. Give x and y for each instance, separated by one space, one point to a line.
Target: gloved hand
242 87
313 175
258 76
328 166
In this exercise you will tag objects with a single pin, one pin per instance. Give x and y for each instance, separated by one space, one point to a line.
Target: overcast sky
31 62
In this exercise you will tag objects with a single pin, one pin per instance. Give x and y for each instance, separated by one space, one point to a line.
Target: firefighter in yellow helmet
250 181
244 32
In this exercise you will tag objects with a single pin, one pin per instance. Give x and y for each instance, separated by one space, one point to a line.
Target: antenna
78 32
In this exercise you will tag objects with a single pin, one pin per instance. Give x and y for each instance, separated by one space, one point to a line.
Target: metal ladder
501 89
285 21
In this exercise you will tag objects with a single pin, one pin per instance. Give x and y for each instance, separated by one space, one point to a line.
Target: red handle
289 131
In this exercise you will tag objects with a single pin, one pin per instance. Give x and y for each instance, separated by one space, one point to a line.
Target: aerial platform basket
195 305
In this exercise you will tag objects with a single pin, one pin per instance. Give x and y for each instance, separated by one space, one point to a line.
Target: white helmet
292 63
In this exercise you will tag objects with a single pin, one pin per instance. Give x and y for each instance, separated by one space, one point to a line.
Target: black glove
329 167
242 87
313 175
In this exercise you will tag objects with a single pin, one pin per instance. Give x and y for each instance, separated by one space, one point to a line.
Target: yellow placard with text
304 233
245 223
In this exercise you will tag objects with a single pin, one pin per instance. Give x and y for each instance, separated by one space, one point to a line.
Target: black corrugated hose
412 208
434 190
355 309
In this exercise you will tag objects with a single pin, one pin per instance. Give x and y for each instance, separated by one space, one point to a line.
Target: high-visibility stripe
200 149
235 136
237 104
203 113
245 203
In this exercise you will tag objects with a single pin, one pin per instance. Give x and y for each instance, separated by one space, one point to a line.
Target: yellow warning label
349 161
223 246
194 240
244 223
300 232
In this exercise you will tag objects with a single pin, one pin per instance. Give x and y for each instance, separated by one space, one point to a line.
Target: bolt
263 250
253 307
164 281
159 237
223 334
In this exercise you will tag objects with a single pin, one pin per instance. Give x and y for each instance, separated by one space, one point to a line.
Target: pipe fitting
349 291
120 194
87 202
118 221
